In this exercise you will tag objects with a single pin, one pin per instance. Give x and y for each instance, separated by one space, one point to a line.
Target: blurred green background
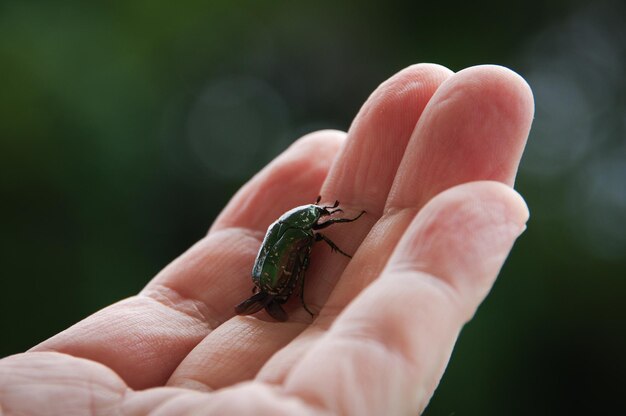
126 126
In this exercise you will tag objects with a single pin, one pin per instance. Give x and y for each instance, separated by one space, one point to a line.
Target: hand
431 157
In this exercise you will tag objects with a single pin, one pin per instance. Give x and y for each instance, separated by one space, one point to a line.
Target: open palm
430 157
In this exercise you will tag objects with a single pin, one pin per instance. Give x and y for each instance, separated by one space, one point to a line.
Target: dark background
125 127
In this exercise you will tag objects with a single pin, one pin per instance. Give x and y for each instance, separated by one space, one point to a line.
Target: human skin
431 157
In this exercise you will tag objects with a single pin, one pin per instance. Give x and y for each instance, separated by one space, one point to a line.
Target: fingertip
462 237
427 74
506 89
404 95
504 203
519 211
319 140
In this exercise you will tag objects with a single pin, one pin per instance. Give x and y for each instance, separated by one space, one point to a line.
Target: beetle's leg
276 311
253 304
336 220
254 289
304 305
333 246
319 198
305 264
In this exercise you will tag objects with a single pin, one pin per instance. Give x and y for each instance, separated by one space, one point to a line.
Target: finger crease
174 300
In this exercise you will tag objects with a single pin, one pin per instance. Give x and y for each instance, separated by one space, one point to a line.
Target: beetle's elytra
284 257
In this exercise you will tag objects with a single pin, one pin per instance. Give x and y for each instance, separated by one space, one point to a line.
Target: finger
377 139
389 348
364 171
139 338
47 383
382 128
57 384
293 179
144 338
474 128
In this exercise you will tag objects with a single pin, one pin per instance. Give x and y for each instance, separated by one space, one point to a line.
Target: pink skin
431 157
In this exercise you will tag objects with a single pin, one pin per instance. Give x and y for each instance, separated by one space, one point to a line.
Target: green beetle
284 257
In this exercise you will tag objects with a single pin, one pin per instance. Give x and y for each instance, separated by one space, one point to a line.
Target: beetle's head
327 209
306 216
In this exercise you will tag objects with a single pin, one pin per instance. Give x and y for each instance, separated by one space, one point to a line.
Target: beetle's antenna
319 198
335 205
335 210
335 221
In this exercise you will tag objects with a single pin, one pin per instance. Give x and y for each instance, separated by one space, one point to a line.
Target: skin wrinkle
92 405
192 383
341 173
274 372
417 77
411 281
141 332
103 388
367 332
122 399
345 372
98 398
244 334
242 341
141 403
193 308
264 399
143 344
180 403
198 257
202 258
